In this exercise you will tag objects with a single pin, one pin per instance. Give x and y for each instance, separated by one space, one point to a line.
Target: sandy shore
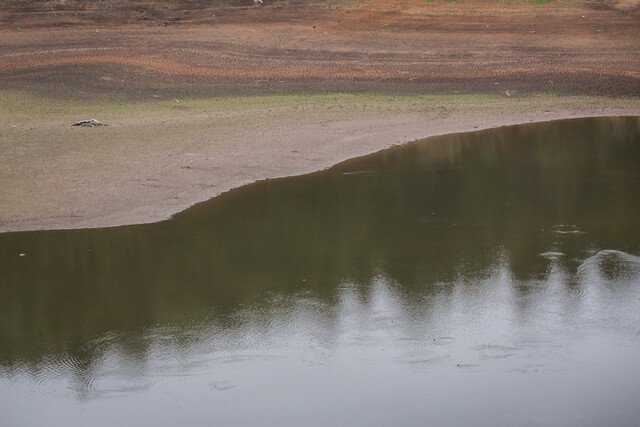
156 159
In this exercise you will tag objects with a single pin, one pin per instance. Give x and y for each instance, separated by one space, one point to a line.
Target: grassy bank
22 106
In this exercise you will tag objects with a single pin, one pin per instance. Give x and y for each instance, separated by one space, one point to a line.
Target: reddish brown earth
153 49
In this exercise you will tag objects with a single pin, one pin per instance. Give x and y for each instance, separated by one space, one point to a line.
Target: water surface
490 278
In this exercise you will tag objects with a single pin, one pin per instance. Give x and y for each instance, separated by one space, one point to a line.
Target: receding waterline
489 278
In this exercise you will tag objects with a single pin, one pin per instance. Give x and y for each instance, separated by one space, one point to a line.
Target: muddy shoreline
147 166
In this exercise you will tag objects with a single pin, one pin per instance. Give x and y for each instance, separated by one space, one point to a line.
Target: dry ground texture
203 96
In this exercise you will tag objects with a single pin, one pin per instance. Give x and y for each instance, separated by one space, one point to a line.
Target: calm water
478 279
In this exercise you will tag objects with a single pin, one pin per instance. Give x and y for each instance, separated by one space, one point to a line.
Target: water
490 278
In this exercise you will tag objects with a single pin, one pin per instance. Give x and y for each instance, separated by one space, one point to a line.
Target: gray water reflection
490 278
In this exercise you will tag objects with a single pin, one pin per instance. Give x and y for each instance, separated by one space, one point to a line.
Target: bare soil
147 49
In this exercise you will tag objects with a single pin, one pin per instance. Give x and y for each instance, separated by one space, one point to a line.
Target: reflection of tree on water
422 230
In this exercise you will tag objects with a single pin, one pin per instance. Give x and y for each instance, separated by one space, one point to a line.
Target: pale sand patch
156 159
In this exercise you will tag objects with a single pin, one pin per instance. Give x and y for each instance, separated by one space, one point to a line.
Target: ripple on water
495 351
552 255
425 361
97 389
574 289
469 367
566 229
361 173
222 385
57 367
611 264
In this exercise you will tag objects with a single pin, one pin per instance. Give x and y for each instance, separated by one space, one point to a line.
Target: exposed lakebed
484 278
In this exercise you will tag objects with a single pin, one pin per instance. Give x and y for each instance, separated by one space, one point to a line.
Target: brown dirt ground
151 49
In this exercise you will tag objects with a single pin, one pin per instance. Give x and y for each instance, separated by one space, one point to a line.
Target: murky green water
479 279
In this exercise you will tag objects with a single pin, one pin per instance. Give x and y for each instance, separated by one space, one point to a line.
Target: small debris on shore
90 123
